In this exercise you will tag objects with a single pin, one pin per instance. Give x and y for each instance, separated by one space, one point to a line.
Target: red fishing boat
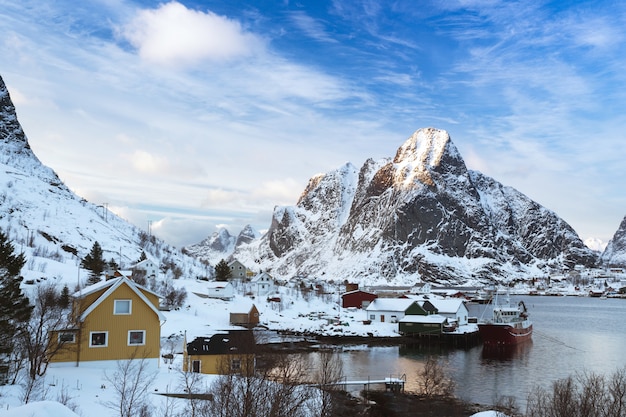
508 325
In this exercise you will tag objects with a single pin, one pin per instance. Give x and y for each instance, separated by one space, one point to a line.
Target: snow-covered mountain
221 244
54 227
421 216
614 254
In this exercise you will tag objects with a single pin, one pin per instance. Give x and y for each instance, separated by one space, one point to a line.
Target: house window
372 316
122 307
136 337
195 366
98 339
67 337
235 365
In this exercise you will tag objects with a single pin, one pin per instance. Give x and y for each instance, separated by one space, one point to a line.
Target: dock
393 384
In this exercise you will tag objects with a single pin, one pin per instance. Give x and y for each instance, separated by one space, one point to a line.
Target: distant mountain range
419 216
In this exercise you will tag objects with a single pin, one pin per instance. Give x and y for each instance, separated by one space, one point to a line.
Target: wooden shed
247 316
432 324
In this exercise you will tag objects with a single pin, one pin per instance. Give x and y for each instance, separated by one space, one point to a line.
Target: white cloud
148 163
174 35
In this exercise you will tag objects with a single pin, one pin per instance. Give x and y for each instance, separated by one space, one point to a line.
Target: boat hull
504 334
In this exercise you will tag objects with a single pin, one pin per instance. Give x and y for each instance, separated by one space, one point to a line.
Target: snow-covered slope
614 254
421 216
54 227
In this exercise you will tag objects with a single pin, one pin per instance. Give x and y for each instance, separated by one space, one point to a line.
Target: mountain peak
425 148
425 155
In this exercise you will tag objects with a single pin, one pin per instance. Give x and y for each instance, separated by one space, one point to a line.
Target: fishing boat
508 325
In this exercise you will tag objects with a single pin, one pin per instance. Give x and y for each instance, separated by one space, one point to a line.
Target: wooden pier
393 384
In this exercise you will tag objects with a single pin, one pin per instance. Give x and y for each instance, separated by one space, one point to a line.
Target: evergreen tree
113 266
222 271
142 257
64 298
95 263
15 309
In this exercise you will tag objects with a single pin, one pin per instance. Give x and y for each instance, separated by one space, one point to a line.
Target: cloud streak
203 113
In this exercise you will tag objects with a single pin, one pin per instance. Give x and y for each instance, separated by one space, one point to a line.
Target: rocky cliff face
614 254
419 216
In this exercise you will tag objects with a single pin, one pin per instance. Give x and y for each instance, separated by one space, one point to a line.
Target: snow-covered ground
89 390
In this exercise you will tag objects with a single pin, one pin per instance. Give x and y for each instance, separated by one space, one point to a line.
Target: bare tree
586 395
279 387
47 317
328 372
433 380
131 381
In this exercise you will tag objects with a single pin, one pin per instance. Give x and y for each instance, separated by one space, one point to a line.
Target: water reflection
519 352
557 350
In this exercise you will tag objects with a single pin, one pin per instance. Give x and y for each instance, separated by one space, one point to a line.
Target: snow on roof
113 284
390 304
355 291
218 284
431 318
449 305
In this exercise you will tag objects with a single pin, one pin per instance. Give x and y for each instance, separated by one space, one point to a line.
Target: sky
185 116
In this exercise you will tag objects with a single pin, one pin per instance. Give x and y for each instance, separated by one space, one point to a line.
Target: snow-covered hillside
54 227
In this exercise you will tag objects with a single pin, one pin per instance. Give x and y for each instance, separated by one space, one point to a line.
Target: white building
389 310
262 284
220 289
452 308
151 268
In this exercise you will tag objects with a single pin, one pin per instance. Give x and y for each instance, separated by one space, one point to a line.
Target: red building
357 298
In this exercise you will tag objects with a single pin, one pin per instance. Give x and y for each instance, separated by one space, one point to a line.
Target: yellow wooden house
231 352
113 320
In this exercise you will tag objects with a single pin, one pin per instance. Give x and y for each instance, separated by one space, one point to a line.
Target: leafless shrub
433 380
586 395
130 381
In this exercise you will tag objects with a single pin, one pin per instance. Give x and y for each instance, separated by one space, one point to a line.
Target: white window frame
73 334
116 310
106 339
143 338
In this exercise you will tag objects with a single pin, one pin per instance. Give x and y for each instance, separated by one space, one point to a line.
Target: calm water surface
571 334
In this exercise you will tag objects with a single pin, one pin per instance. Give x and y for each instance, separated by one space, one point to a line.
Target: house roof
145 261
356 291
112 285
261 275
218 284
449 305
233 342
431 318
390 304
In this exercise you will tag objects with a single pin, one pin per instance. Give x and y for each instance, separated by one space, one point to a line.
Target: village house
454 309
262 284
220 289
238 270
244 314
357 298
418 324
221 354
148 266
387 309
112 320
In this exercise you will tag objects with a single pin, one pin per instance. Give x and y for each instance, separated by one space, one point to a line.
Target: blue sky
195 114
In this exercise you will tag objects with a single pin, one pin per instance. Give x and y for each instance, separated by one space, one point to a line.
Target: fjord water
571 335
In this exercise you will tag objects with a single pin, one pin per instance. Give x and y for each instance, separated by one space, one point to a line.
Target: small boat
509 325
